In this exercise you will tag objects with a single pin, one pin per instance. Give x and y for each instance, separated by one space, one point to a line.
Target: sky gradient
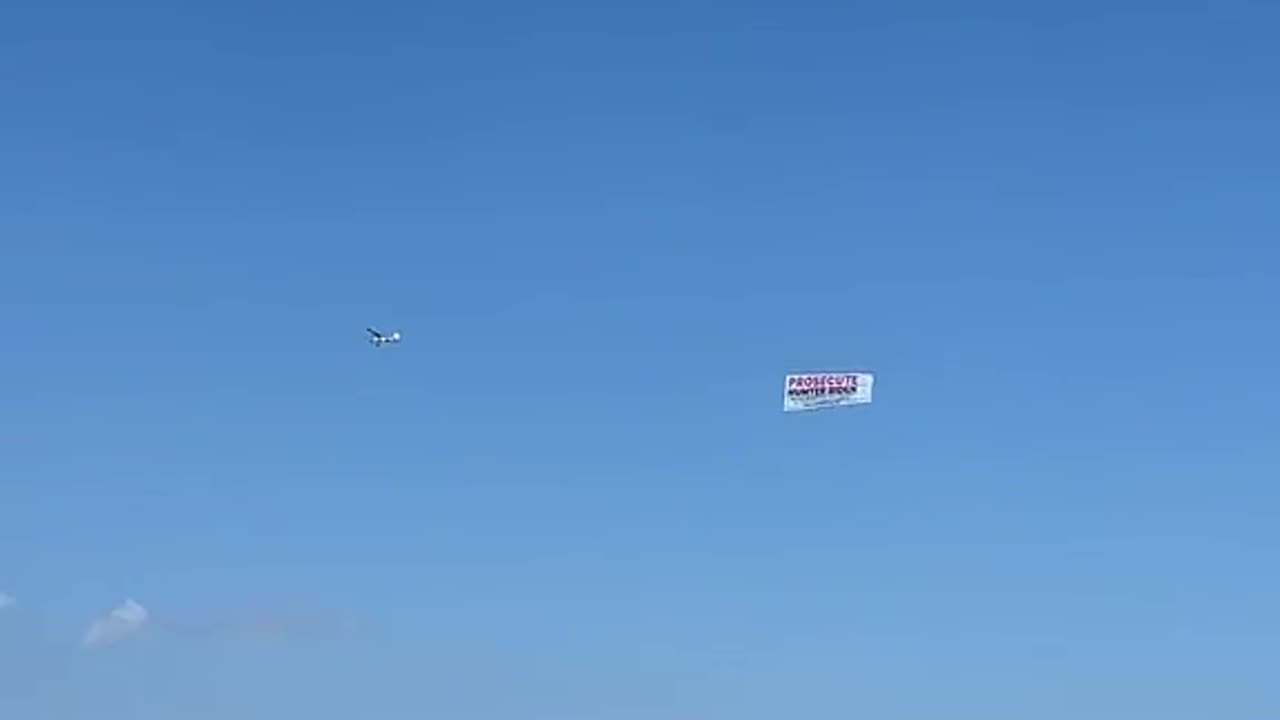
607 233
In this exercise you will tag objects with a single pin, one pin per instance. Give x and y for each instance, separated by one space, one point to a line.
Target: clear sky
607 232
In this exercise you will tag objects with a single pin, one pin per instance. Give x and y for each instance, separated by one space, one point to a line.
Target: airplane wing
373 332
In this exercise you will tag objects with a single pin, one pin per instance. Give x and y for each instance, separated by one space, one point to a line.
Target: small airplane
378 339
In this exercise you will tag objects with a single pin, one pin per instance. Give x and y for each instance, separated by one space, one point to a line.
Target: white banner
814 391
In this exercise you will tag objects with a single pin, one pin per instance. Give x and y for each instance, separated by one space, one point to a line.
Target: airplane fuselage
376 338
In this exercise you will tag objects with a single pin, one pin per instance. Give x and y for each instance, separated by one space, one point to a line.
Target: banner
814 391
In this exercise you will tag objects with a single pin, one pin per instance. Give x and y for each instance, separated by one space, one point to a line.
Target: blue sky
607 233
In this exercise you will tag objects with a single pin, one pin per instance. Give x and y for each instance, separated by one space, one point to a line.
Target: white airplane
377 339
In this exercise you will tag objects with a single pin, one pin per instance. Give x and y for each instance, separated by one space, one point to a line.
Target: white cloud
131 618
6 601
120 623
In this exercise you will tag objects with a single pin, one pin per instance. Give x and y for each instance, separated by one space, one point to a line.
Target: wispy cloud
120 623
7 601
131 618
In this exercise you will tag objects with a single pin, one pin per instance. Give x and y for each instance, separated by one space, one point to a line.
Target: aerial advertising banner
814 391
